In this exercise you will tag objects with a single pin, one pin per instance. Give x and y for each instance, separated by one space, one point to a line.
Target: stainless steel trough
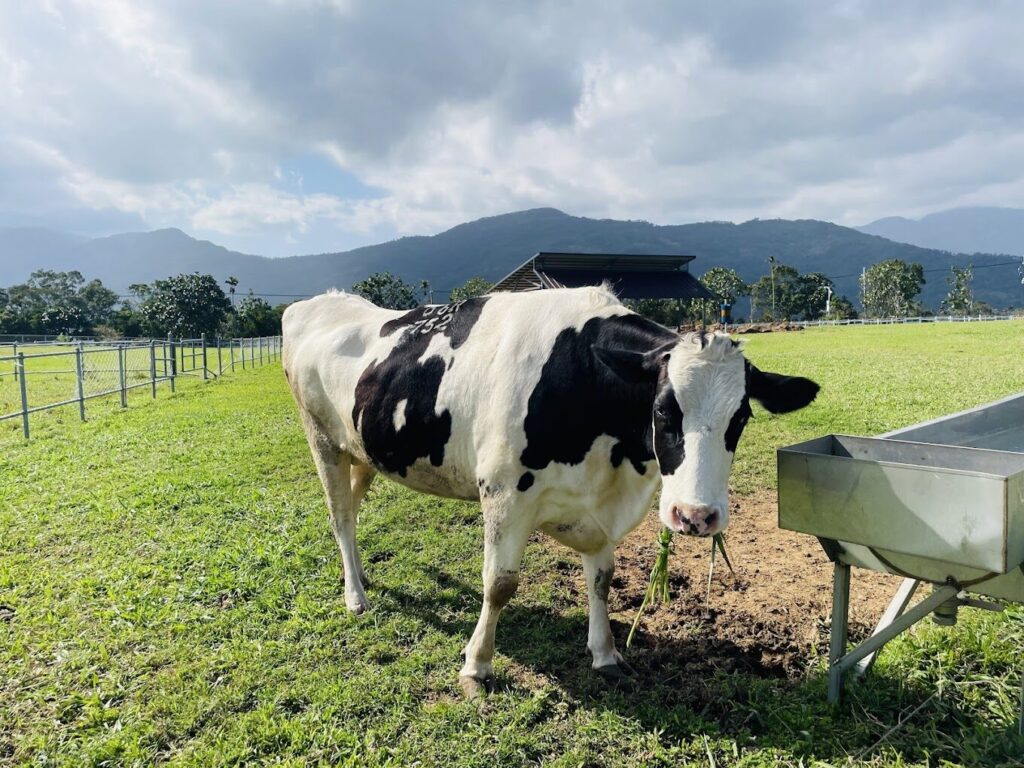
939 502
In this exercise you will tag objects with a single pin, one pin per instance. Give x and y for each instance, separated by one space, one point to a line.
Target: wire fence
43 376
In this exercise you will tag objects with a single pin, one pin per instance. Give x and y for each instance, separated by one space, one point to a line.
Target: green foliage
959 300
842 309
475 286
890 289
56 303
186 306
255 317
669 312
388 291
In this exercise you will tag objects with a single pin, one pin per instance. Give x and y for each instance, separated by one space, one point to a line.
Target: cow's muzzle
696 519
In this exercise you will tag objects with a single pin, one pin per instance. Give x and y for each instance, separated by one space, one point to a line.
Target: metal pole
80 375
260 342
205 367
14 351
121 373
231 353
152 366
24 394
840 617
173 357
241 344
896 608
220 360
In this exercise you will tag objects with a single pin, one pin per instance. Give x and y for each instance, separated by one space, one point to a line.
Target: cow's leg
362 476
505 538
598 568
334 467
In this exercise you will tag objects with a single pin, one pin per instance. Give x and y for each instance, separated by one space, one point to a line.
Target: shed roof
632 276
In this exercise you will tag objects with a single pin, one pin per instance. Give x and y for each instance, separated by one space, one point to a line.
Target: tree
842 309
890 288
475 286
959 300
97 302
668 312
185 305
232 283
812 295
257 318
786 288
388 291
67 320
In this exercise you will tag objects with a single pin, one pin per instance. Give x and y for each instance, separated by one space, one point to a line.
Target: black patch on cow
736 424
400 376
669 440
579 397
525 482
453 320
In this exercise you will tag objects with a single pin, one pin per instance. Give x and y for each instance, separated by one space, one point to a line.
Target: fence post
220 360
121 374
260 342
202 341
231 353
80 375
24 394
241 345
173 357
152 366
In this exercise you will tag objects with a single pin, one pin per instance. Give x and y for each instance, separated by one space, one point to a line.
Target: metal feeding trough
941 502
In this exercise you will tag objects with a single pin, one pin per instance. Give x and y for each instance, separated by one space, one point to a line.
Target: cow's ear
780 394
632 366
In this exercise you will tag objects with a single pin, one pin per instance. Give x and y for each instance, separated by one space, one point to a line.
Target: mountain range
494 246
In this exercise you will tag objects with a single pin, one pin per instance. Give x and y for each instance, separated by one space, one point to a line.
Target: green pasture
170 594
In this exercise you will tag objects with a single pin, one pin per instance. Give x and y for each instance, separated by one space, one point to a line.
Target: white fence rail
41 376
903 320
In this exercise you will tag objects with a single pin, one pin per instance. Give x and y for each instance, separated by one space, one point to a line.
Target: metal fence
42 376
901 320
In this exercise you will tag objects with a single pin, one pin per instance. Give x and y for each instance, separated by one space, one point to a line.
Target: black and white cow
559 410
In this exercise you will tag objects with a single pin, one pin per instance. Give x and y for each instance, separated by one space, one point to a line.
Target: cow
558 410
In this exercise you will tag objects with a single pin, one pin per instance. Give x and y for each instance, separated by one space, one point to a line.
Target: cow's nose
696 519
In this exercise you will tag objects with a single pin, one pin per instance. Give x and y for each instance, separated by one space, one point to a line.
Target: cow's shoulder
578 398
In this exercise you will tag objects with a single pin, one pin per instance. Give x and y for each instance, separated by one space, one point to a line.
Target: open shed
632 276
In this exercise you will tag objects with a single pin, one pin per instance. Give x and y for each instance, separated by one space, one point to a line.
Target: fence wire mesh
43 376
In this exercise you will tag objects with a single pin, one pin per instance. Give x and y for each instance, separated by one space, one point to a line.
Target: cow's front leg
598 568
504 543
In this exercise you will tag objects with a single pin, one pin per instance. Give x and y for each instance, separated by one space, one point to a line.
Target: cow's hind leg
505 538
340 482
598 568
362 477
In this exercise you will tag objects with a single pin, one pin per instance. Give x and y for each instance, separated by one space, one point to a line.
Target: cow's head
701 405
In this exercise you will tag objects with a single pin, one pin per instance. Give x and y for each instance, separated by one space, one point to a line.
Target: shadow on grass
699 683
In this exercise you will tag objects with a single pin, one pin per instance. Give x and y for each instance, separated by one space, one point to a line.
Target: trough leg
598 569
840 622
505 539
896 607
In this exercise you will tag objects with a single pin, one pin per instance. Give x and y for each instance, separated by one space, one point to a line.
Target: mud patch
771 620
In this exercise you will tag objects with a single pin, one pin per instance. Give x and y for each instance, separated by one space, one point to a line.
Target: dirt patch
771 619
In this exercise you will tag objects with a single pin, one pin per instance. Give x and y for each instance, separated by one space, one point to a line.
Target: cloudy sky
296 126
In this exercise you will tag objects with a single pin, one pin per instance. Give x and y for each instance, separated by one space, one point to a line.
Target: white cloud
193 114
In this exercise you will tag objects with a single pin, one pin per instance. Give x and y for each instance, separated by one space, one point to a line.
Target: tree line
189 305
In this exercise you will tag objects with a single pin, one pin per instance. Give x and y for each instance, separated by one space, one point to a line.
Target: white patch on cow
708 376
399 415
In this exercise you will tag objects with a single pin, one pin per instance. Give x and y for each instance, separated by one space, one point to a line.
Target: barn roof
632 276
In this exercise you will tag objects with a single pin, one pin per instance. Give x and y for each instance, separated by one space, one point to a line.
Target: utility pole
828 302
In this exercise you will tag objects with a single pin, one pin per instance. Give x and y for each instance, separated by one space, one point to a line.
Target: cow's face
701 406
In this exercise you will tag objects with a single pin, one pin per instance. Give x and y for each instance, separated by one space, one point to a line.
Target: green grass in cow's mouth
169 593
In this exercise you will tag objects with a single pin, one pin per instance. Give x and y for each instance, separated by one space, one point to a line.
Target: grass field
170 593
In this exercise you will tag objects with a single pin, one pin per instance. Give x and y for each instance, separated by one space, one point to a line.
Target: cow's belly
447 480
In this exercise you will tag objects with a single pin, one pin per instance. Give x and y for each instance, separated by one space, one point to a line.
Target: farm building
632 276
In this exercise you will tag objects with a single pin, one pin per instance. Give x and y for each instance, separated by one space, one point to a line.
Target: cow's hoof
475 687
618 675
358 606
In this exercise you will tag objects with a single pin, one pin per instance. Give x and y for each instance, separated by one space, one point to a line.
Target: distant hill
494 246
961 230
